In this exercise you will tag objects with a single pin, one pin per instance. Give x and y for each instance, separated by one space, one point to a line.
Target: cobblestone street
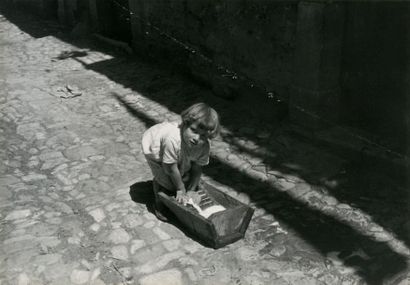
75 192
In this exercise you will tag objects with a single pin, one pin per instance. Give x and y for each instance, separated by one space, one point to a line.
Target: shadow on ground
354 182
141 193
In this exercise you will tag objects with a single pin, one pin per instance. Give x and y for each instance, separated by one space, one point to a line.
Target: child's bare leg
158 207
155 187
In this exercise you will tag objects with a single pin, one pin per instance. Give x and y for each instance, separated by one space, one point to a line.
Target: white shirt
163 143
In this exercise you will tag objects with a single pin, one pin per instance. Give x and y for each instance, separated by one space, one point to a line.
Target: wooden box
220 228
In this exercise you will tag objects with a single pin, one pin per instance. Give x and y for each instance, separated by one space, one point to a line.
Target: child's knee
155 185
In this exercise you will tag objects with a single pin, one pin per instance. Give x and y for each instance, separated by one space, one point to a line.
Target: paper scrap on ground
69 91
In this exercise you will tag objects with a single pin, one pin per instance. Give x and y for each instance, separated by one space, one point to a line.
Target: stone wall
375 68
237 47
44 8
111 18
345 62
315 90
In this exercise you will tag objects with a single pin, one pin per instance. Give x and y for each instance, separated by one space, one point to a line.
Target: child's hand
196 198
181 197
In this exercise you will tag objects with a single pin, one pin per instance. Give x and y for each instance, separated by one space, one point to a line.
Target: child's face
193 135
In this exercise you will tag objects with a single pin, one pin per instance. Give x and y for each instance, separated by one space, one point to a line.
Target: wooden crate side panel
222 241
195 223
222 198
246 220
228 221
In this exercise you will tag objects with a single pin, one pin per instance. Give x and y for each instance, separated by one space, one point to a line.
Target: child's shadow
142 193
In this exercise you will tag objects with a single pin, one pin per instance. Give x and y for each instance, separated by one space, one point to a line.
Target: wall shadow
354 180
325 233
319 229
142 117
359 181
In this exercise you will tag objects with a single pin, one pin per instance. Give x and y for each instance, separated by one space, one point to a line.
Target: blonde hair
206 117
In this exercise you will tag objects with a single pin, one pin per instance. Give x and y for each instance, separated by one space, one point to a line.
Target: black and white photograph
204 142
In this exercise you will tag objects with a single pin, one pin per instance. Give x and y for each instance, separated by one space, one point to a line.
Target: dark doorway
374 68
114 19
51 9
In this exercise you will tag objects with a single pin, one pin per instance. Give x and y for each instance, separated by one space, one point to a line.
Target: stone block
173 277
18 214
79 276
118 236
159 263
120 252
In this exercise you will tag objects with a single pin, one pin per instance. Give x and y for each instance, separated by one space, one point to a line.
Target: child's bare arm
173 172
196 171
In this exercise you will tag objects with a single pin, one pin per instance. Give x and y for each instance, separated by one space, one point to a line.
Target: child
176 152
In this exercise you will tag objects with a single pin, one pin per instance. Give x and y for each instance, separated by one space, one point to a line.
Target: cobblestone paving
67 216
